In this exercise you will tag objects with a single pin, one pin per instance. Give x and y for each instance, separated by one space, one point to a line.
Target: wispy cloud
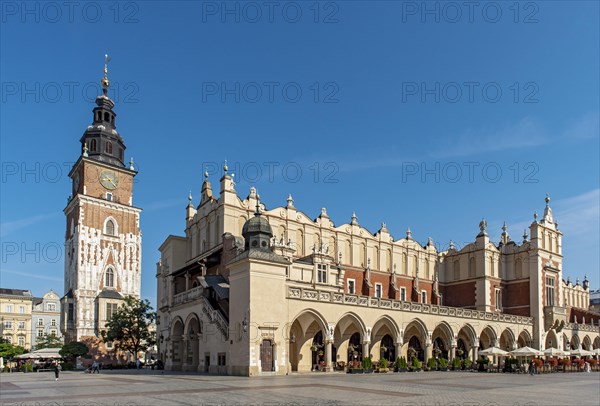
579 215
525 133
9 227
585 127
33 275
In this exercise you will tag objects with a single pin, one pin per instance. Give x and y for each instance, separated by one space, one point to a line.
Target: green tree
48 341
8 350
129 326
74 349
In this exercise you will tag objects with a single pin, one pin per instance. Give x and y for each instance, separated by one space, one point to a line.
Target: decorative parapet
582 327
389 304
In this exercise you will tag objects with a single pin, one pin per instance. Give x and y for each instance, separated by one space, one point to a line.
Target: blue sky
429 118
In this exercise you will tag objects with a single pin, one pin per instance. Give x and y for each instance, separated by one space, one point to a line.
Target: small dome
257 224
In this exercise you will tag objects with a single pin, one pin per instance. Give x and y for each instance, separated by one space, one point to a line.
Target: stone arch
305 327
384 336
575 342
551 340
487 338
524 339
507 340
442 338
177 332
416 338
597 342
193 330
468 332
586 343
347 328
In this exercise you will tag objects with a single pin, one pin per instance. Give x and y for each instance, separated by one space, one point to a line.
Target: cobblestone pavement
146 387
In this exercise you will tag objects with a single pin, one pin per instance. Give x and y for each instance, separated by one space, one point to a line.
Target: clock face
109 179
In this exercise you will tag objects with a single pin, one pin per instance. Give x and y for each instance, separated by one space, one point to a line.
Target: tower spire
105 82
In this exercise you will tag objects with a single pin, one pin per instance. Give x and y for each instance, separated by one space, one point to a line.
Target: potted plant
367 365
482 363
467 363
456 364
415 365
354 367
383 366
401 364
431 364
443 364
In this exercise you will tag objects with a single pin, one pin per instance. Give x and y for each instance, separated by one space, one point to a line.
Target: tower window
93 145
70 312
109 197
106 117
423 296
108 149
121 154
403 294
109 279
378 290
109 228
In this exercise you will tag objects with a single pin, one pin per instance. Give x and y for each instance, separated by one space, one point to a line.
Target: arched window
109 228
106 117
108 148
109 278
93 145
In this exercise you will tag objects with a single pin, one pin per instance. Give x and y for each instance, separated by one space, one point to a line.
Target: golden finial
105 81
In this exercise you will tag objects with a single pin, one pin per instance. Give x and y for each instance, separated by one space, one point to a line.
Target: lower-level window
221 359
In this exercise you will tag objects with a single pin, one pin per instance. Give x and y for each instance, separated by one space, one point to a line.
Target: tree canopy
48 341
129 326
74 349
9 350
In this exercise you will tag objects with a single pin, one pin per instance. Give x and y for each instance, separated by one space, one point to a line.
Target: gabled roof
110 294
15 292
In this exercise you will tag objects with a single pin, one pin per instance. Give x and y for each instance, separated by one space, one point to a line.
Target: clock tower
103 241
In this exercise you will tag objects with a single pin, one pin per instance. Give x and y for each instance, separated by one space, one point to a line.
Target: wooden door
266 356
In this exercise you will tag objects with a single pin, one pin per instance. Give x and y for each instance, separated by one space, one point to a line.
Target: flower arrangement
367 363
564 362
592 362
538 362
553 362
314 348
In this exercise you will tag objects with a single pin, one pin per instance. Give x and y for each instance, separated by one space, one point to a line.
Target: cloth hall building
255 291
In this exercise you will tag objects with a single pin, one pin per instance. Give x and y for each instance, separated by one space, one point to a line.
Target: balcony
187 296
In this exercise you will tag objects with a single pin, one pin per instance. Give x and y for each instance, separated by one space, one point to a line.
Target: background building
45 316
15 316
103 237
253 291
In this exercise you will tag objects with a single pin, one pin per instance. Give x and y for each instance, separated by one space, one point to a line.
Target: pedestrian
137 363
531 368
56 370
587 367
95 367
